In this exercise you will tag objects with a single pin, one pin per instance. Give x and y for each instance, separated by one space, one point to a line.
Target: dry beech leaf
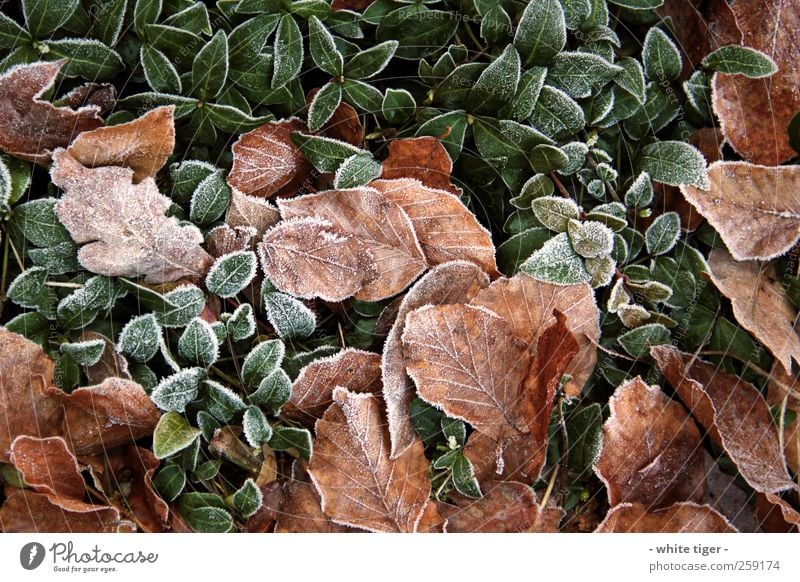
452 282
251 212
224 239
422 158
111 364
124 224
29 403
784 518
343 125
383 228
309 257
754 113
113 413
143 145
28 512
528 306
301 512
312 391
48 466
432 520
30 128
506 507
652 450
684 517
446 229
785 387
263 520
359 484
733 412
759 303
266 162
722 29
227 444
101 95
753 208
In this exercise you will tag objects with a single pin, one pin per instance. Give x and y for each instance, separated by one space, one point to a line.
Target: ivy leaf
42 17
140 338
555 212
242 323
257 430
325 153
556 114
541 32
675 163
661 58
247 499
210 199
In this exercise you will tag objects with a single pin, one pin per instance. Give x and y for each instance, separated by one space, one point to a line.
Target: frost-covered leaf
323 48
159 72
325 153
290 317
273 392
174 392
220 401
369 62
541 32
181 305
297 441
250 212
323 105
675 163
423 158
631 78
556 262
242 323
124 224
231 273
660 57
247 499
397 105
678 518
357 170
661 236
84 353
590 239
288 51
262 361
640 192
172 435
578 73
638 341
497 83
555 212
198 343
38 222
210 199
257 430
140 339
556 114
740 60
224 239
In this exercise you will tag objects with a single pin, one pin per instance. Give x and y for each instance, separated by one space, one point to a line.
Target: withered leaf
301 512
733 412
423 158
101 95
652 451
343 125
784 391
754 113
264 519
684 517
111 364
359 484
753 208
224 239
227 444
266 162
690 30
309 257
783 518
759 303
29 403
528 304
124 224
312 391
452 282
446 229
31 128
48 466
382 227
467 361
28 512
113 413
143 145
251 212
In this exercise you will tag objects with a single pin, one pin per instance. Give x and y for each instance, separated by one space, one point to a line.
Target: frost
601 269
210 199
556 262
675 163
140 338
632 315
231 273
541 32
555 212
221 402
640 192
264 359
590 239
242 323
273 392
84 353
556 114
174 392
663 233
257 430
660 57
188 302
576 153
618 296
289 317
186 177
357 170
247 500
198 343
578 73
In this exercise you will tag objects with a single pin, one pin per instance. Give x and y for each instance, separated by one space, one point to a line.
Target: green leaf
638 4
145 12
198 343
109 16
640 192
638 341
324 105
172 435
179 45
186 177
12 34
513 252
455 429
464 478
231 273
547 158
84 353
175 392
169 482
674 163
159 73
210 199
660 56
357 170
663 233
262 361
556 114
585 437
497 84
419 30
257 430
208 520
371 61
631 78
273 392
555 212
398 105
288 52
43 17
740 60
86 58
39 224
285 438
247 499
289 316
193 18
362 96
146 101
452 125
221 402
496 25
590 239
231 119
556 262
242 323
246 41
15 177
541 32
325 153
530 85
578 73
140 338
323 48
210 67
32 325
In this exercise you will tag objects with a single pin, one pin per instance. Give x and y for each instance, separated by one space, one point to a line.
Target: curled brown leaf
678 518
422 158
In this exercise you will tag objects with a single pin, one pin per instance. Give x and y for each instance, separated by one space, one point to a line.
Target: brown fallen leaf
382 226
733 412
263 520
110 414
359 484
452 282
124 224
227 444
752 207
29 402
48 466
111 364
528 304
30 128
446 229
143 145
754 113
422 158
343 125
224 239
722 29
28 512
101 95
312 392
784 391
251 212
684 517
652 451
301 512
266 162
759 303
309 257
776 514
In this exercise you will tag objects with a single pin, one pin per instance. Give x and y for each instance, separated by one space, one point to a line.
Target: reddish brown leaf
108 415
754 113
301 512
359 484
263 520
267 163
111 364
343 125
308 257
446 229
776 515
432 520
251 212
679 518
224 239
312 391
101 95
383 228
689 30
30 128
48 466
422 158
652 451
733 412
142 501
227 444
355 5
784 394
143 145
759 303
453 282
29 404
125 225
29 512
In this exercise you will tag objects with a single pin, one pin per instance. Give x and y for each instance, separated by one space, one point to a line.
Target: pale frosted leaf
251 212
678 518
